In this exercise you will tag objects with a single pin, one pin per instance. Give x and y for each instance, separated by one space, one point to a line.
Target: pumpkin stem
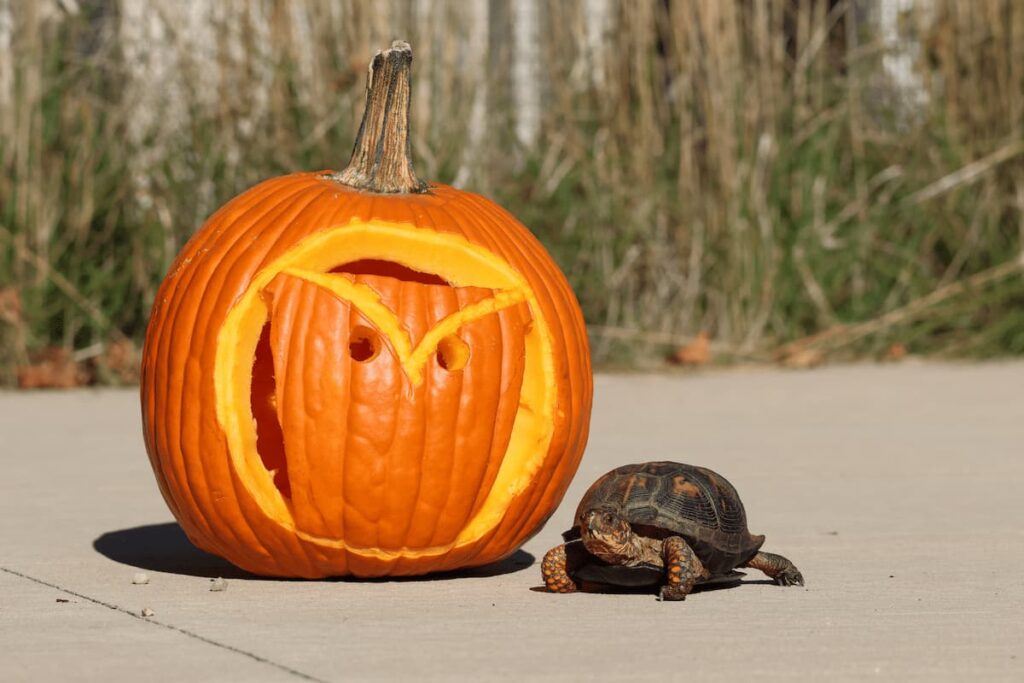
382 155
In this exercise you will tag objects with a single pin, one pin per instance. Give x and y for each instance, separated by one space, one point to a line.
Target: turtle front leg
778 568
682 569
553 569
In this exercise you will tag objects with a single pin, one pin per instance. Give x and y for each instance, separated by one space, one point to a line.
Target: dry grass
748 168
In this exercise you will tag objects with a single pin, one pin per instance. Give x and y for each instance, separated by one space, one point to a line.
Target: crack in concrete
170 627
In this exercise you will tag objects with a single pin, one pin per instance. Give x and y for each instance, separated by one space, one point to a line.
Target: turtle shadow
607 589
166 548
643 590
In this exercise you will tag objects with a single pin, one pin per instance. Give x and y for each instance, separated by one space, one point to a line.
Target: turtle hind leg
778 568
682 569
554 570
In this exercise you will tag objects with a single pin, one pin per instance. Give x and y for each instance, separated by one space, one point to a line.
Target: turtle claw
671 594
779 569
682 569
790 578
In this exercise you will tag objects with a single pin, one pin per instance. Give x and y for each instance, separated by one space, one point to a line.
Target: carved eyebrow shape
385 320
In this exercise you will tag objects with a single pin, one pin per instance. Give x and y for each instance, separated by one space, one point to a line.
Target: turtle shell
662 499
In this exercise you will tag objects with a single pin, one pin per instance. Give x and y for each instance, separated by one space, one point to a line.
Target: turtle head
607 534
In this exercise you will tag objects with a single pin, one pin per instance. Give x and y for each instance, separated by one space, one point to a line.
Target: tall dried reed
767 171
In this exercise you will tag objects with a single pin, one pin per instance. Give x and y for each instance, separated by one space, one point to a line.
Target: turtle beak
599 520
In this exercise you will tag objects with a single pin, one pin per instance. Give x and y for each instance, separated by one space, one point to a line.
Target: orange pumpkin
360 374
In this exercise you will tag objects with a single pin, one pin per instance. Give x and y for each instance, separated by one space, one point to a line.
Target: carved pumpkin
357 373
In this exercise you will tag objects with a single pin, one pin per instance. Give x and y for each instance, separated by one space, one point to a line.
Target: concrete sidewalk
896 490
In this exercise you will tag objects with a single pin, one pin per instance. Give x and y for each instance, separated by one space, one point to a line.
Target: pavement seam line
170 627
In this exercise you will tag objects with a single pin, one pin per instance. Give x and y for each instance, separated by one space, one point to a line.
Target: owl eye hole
452 353
363 344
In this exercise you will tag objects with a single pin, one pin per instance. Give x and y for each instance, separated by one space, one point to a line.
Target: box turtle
660 523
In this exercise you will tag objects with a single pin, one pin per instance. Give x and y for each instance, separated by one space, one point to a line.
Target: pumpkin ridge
490 243
482 230
297 205
444 467
177 393
290 361
460 298
416 511
381 449
229 269
499 439
412 510
481 209
467 440
386 453
454 422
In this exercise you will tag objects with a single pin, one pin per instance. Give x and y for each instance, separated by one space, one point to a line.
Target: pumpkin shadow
165 548
516 562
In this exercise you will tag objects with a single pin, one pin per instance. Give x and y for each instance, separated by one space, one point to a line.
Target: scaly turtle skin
660 523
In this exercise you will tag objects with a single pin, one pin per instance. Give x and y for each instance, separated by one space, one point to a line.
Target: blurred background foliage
769 177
